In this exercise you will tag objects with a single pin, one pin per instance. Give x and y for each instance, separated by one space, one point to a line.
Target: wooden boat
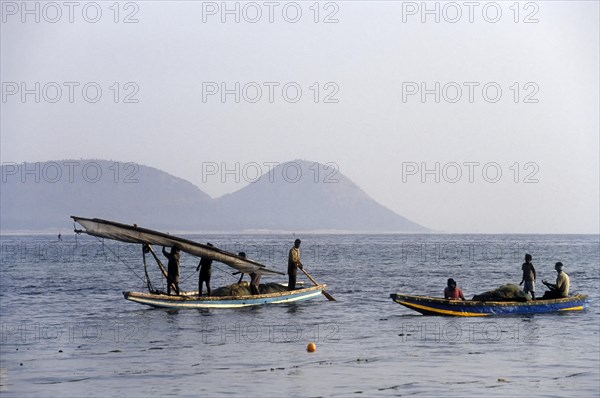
191 299
147 237
439 306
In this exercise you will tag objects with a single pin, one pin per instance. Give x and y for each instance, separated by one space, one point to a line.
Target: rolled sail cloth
134 234
508 292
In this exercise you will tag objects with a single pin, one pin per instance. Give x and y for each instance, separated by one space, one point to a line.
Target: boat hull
442 307
190 300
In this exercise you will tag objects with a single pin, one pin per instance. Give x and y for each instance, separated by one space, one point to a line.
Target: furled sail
135 234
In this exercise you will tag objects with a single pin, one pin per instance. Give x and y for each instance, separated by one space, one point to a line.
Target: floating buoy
312 347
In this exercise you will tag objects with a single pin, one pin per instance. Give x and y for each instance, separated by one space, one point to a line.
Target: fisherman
293 264
59 237
173 269
528 276
561 288
205 268
452 292
254 283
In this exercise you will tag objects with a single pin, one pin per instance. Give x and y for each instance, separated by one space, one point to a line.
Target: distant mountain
294 196
43 195
301 195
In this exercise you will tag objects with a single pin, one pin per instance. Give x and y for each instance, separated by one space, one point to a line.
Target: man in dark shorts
205 268
173 269
293 264
528 276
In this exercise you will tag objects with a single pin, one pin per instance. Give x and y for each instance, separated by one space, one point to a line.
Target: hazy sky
517 90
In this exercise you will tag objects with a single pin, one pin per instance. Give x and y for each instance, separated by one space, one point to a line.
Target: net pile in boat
243 289
508 292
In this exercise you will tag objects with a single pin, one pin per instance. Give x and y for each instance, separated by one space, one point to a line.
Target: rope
115 254
188 277
227 272
144 279
213 266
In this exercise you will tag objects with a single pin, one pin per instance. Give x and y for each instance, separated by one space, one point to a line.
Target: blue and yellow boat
438 306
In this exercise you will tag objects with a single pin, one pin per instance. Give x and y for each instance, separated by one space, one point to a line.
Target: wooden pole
325 293
148 283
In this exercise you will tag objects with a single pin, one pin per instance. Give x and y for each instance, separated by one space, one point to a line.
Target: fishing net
243 289
508 292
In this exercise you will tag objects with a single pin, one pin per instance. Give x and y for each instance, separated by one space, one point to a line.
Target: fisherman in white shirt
561 288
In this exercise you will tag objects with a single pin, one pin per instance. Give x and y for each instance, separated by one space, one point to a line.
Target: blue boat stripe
430 305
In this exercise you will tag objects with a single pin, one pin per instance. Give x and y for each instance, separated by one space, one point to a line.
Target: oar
325 293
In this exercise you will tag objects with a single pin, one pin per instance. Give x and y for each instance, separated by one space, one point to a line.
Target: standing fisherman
293 264
173 269
528 276
254 283
205 267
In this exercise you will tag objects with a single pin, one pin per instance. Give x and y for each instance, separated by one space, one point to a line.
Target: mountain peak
306 195
298 195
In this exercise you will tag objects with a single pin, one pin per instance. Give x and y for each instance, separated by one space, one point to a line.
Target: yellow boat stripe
578 308
440 311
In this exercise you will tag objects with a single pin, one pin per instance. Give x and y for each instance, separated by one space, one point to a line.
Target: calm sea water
67 331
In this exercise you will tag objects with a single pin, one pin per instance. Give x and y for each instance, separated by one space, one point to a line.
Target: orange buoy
312 347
